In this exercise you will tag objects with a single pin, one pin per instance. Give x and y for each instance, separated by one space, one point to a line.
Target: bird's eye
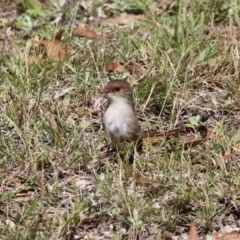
117 89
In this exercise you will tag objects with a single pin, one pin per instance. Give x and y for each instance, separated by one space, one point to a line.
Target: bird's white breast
117 117
117 120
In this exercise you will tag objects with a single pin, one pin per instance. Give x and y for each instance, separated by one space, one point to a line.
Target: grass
54 183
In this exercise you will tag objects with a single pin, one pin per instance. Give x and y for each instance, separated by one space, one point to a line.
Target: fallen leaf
83 31
179 134
116 66
224 236
17 183
135 68
222 159
54 48
193 235
131 67
162 6
23 198
125 19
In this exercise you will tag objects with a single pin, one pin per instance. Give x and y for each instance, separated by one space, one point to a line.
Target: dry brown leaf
191 137
83 31
148 138
54 48
135 68
213 135
186 135
17 183
193 235
125 19
162 6
116 66
224 236
222 159
23 198
131 67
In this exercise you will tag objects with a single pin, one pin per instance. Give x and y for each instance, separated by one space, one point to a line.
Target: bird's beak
105 90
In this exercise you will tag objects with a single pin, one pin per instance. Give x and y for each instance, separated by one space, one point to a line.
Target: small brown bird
119 120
